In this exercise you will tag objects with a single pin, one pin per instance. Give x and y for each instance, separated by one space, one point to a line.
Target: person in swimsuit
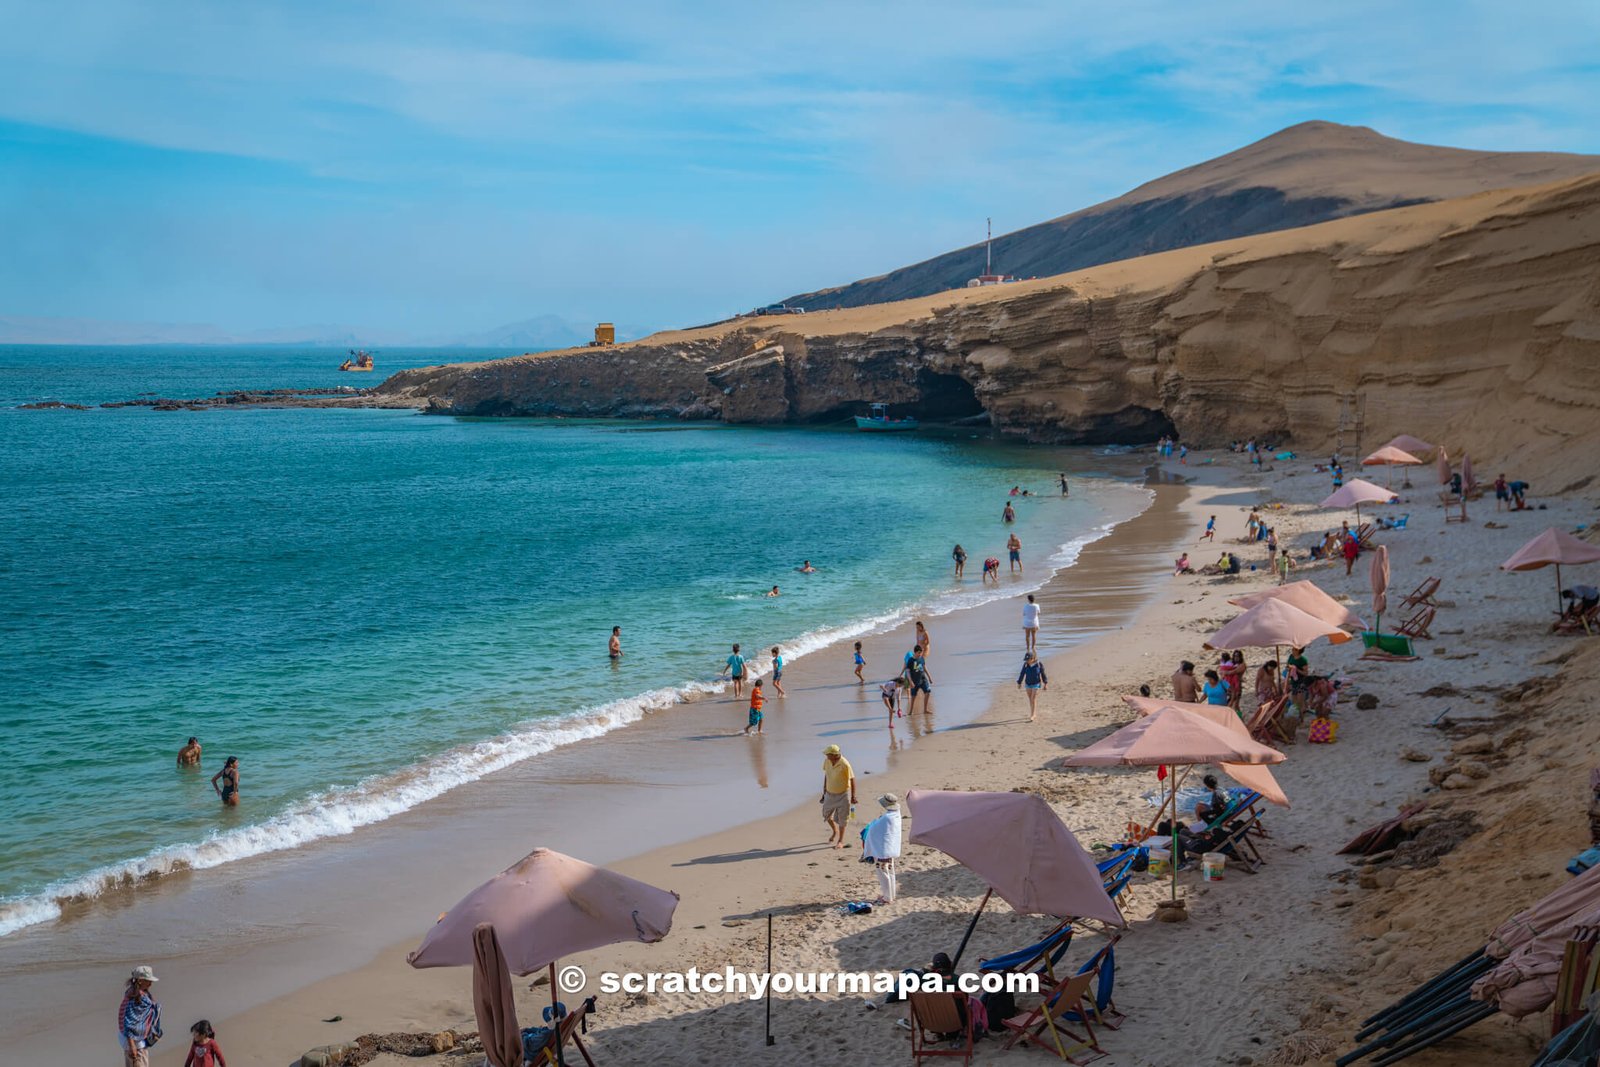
1033 676
1014 548
1063 483
189 754
756 700
804 568
777 671
991 569
615 646
860 664
890 692
959 554
1211 530
923 639
229 789
774 592
1008 515
734 669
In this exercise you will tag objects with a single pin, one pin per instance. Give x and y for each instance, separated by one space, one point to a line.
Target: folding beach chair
1237 838
1422 594
1364 534
1040 957
1417 625
1575 621
1047 1027
1103 965
934 1016
567 1034
1267 725
1455 507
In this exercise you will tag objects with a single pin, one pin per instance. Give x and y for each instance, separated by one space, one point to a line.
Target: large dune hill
1303 175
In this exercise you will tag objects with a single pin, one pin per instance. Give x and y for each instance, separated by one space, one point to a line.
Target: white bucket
1160 860
1211 865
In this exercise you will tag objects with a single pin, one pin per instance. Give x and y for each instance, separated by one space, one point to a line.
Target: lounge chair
1422 594
1235 839
1577 621
566 1033
1364 534
1267 725
1054 1025
934 1016
1417 625
1103 965
1039 957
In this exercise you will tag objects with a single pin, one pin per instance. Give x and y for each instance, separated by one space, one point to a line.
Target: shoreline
67 957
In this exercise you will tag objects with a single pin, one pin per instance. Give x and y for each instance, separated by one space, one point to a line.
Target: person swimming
805 568
774 592
189 754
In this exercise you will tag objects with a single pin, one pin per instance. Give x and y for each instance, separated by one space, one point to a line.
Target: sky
447 167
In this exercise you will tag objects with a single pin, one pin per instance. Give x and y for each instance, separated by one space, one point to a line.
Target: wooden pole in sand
770 1039
971 926
555 1016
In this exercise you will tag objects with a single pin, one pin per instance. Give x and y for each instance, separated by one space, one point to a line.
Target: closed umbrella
1468 482
1379 576
1309 598
1356 492
1172 737
492 1000
548 905
1553 547
1390 457
1256 776
1017 844
1442 462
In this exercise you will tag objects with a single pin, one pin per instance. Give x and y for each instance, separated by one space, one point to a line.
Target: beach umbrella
1442 463
546 906
1553 547
1356 492
1172 737
1415 445
1018 845
1468 482
1256 776
1378 574
492 1000
1272 623
1391 457
1309 598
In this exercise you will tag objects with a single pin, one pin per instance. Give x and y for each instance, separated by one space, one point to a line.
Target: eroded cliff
1473 321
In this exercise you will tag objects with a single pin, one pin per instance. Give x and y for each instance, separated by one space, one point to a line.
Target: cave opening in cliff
1130 426
945 397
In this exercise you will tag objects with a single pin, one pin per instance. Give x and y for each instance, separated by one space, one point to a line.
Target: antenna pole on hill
988 242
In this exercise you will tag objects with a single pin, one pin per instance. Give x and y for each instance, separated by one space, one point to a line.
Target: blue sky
446 167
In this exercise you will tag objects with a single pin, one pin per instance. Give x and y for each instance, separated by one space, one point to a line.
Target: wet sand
259 930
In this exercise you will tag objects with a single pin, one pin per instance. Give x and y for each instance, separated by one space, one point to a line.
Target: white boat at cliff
880 422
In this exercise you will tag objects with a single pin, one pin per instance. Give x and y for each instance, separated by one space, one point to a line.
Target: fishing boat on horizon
879 421
360 360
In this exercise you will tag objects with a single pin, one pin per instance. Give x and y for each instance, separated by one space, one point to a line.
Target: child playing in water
890 691
756 700
203 1052
860 663
991 570
777 671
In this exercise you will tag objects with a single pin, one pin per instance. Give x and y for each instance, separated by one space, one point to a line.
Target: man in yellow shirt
838 793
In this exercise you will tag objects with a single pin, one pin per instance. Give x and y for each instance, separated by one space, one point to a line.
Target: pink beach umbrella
1415 445
1356 492
1254 776
1309 598
1272 623
548 905
1553 547
493 1001
1017 844
1391 457
1468 482
1442 462
1172 737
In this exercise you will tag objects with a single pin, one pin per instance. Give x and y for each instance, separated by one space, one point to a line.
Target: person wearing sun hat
838 793
138 1019
881 841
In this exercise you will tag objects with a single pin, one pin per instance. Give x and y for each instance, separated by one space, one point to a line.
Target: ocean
370 608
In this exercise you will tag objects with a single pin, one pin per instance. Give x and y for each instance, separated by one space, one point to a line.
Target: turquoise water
372 607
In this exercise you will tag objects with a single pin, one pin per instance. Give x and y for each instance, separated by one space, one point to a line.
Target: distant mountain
1305 174
533 335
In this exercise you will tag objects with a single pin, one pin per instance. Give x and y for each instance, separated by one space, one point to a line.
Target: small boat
880 421
361 361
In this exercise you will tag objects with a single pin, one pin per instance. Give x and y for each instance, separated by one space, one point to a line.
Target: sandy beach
1289 956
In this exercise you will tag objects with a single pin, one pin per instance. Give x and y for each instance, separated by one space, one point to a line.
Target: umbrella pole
1558 589
555 1013
971 926
770 1039
1176 775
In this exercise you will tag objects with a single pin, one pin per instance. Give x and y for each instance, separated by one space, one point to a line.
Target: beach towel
1284 455
881 838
